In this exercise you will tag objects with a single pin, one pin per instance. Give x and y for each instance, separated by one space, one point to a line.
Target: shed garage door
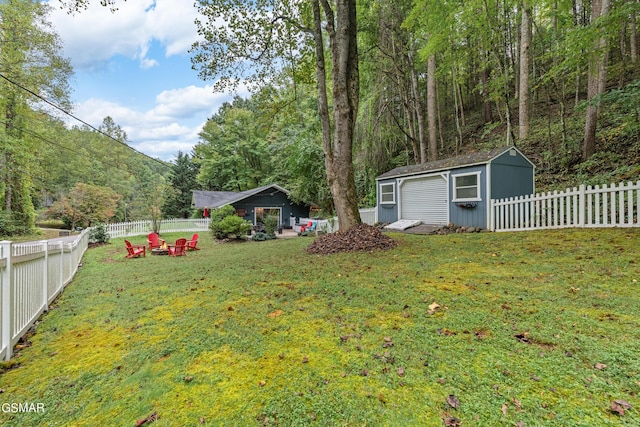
425 199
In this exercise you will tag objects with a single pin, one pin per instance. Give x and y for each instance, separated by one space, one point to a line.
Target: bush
9 226
270 225
261 237
99 234
225 223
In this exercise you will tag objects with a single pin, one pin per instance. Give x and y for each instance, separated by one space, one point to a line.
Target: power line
48 141
80 120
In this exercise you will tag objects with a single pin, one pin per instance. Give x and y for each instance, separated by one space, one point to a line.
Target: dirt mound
361 238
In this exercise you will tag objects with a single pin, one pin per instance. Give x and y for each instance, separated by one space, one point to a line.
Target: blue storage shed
456 190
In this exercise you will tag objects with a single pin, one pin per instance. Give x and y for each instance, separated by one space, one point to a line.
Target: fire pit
159 251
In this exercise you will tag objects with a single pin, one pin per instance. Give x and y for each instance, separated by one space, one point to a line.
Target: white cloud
102 44
172 125
95 35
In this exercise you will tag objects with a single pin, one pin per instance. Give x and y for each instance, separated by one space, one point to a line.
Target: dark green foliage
261 237
270 225
226 224
8 225
182 180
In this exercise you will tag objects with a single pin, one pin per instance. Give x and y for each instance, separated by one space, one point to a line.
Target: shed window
466 187
387 193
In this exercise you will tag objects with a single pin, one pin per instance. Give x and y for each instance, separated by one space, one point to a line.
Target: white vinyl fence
31 276
369 215
137 228
585 206
331 225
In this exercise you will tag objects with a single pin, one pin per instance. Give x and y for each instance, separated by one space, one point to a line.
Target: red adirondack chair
134 251
193 243
179 248
154 241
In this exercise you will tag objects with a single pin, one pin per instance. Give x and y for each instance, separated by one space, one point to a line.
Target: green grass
263 334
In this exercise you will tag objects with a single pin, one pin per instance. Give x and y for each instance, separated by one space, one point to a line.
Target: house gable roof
469 159
215 199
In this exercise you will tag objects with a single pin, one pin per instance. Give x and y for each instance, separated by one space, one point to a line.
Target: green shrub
270 225
261 237
99 234
225 223
10 226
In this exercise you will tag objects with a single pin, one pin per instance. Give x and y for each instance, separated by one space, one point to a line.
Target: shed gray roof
215 199
475 158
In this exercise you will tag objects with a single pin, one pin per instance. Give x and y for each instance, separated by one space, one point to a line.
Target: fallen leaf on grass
600 366
433 307
517 403
504 408
620 406
275 313
453 401
400 371
151 418
452 422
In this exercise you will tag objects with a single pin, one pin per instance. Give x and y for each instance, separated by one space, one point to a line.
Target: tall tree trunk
419 112
457 110
597 79
431 107
486 101
523 100
338 145
633 36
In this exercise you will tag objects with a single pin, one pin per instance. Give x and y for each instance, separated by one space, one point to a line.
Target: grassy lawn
492 329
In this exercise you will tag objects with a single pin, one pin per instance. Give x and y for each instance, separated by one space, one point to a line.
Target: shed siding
511 176
470 217
388 212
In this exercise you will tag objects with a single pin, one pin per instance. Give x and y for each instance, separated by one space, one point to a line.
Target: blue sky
133 65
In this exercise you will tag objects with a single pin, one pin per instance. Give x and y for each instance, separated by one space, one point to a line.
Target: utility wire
48 141
81 121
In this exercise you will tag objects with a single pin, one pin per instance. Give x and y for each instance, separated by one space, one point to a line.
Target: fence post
581 205
45 276
492 215
7 315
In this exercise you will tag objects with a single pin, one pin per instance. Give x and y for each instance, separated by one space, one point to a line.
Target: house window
466 187
387 193
262 213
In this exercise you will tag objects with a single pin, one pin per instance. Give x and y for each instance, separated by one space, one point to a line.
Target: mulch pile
361 238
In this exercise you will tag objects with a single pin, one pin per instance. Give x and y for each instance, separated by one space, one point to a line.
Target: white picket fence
585 206
31 276
137 228
369 215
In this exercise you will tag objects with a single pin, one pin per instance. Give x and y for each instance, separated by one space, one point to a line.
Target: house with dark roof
253 205
456 190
